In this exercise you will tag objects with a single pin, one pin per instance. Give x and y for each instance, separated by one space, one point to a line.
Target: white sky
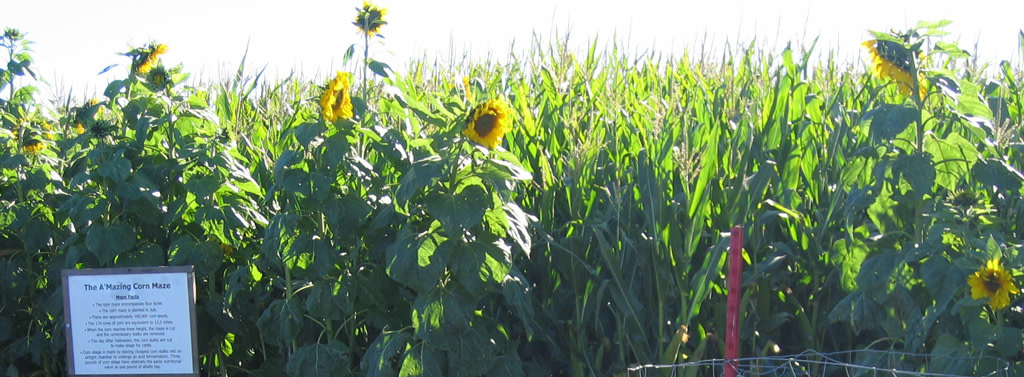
75 40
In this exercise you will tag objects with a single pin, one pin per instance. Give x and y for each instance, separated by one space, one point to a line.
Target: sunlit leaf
850 254
421 360
382 356
417 260
953 157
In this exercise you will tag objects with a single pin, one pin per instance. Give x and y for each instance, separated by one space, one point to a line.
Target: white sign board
131 321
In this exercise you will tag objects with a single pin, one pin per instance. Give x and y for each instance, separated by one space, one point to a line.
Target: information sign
131 321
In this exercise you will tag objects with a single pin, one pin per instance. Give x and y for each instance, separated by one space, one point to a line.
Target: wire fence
861 363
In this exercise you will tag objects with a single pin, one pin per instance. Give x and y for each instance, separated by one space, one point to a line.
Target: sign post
732 316
131 321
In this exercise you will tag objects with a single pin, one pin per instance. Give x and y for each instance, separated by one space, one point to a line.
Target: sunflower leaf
319 360
889 120
461 211
380 68
936 275
417 260
421 360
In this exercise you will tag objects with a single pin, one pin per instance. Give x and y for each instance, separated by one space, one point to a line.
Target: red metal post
732 319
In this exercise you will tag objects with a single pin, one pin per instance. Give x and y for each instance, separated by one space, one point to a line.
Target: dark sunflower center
896 54
992 283
485 124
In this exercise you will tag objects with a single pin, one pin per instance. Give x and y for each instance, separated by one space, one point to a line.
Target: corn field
399 235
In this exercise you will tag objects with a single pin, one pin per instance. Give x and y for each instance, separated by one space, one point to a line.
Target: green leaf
318 255
417 260
971 108
951 50
951 351
496 219
998 175
507 366
480 266
516 291
319 360
850 254
294 181
114 88
933 24
941 279
918 171
281 322
876 272
461 211
421 360
889 120
382 355
328 300
147 254
38 236
349 52
6 329
206 256
305 133
106 242
379 68
496 169
519 226
117 168
952 157
272 367
1008 341
439 316
992 248
287 158
422 174
860 311
277 240
474 353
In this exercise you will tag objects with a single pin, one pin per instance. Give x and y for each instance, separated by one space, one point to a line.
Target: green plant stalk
289 292
366 62
919 233
10 58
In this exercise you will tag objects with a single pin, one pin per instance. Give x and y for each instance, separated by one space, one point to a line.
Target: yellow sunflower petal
993 282
335 101
370 19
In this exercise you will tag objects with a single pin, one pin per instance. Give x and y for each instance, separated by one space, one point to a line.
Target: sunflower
13 34
488 123
158 76
227 249
147 58
33 146
993 282
335 100
370 19
469 90
890 60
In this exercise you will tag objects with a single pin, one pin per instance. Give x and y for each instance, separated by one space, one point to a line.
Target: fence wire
860 363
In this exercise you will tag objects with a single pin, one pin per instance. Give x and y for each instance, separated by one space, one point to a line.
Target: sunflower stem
919 102
366 61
